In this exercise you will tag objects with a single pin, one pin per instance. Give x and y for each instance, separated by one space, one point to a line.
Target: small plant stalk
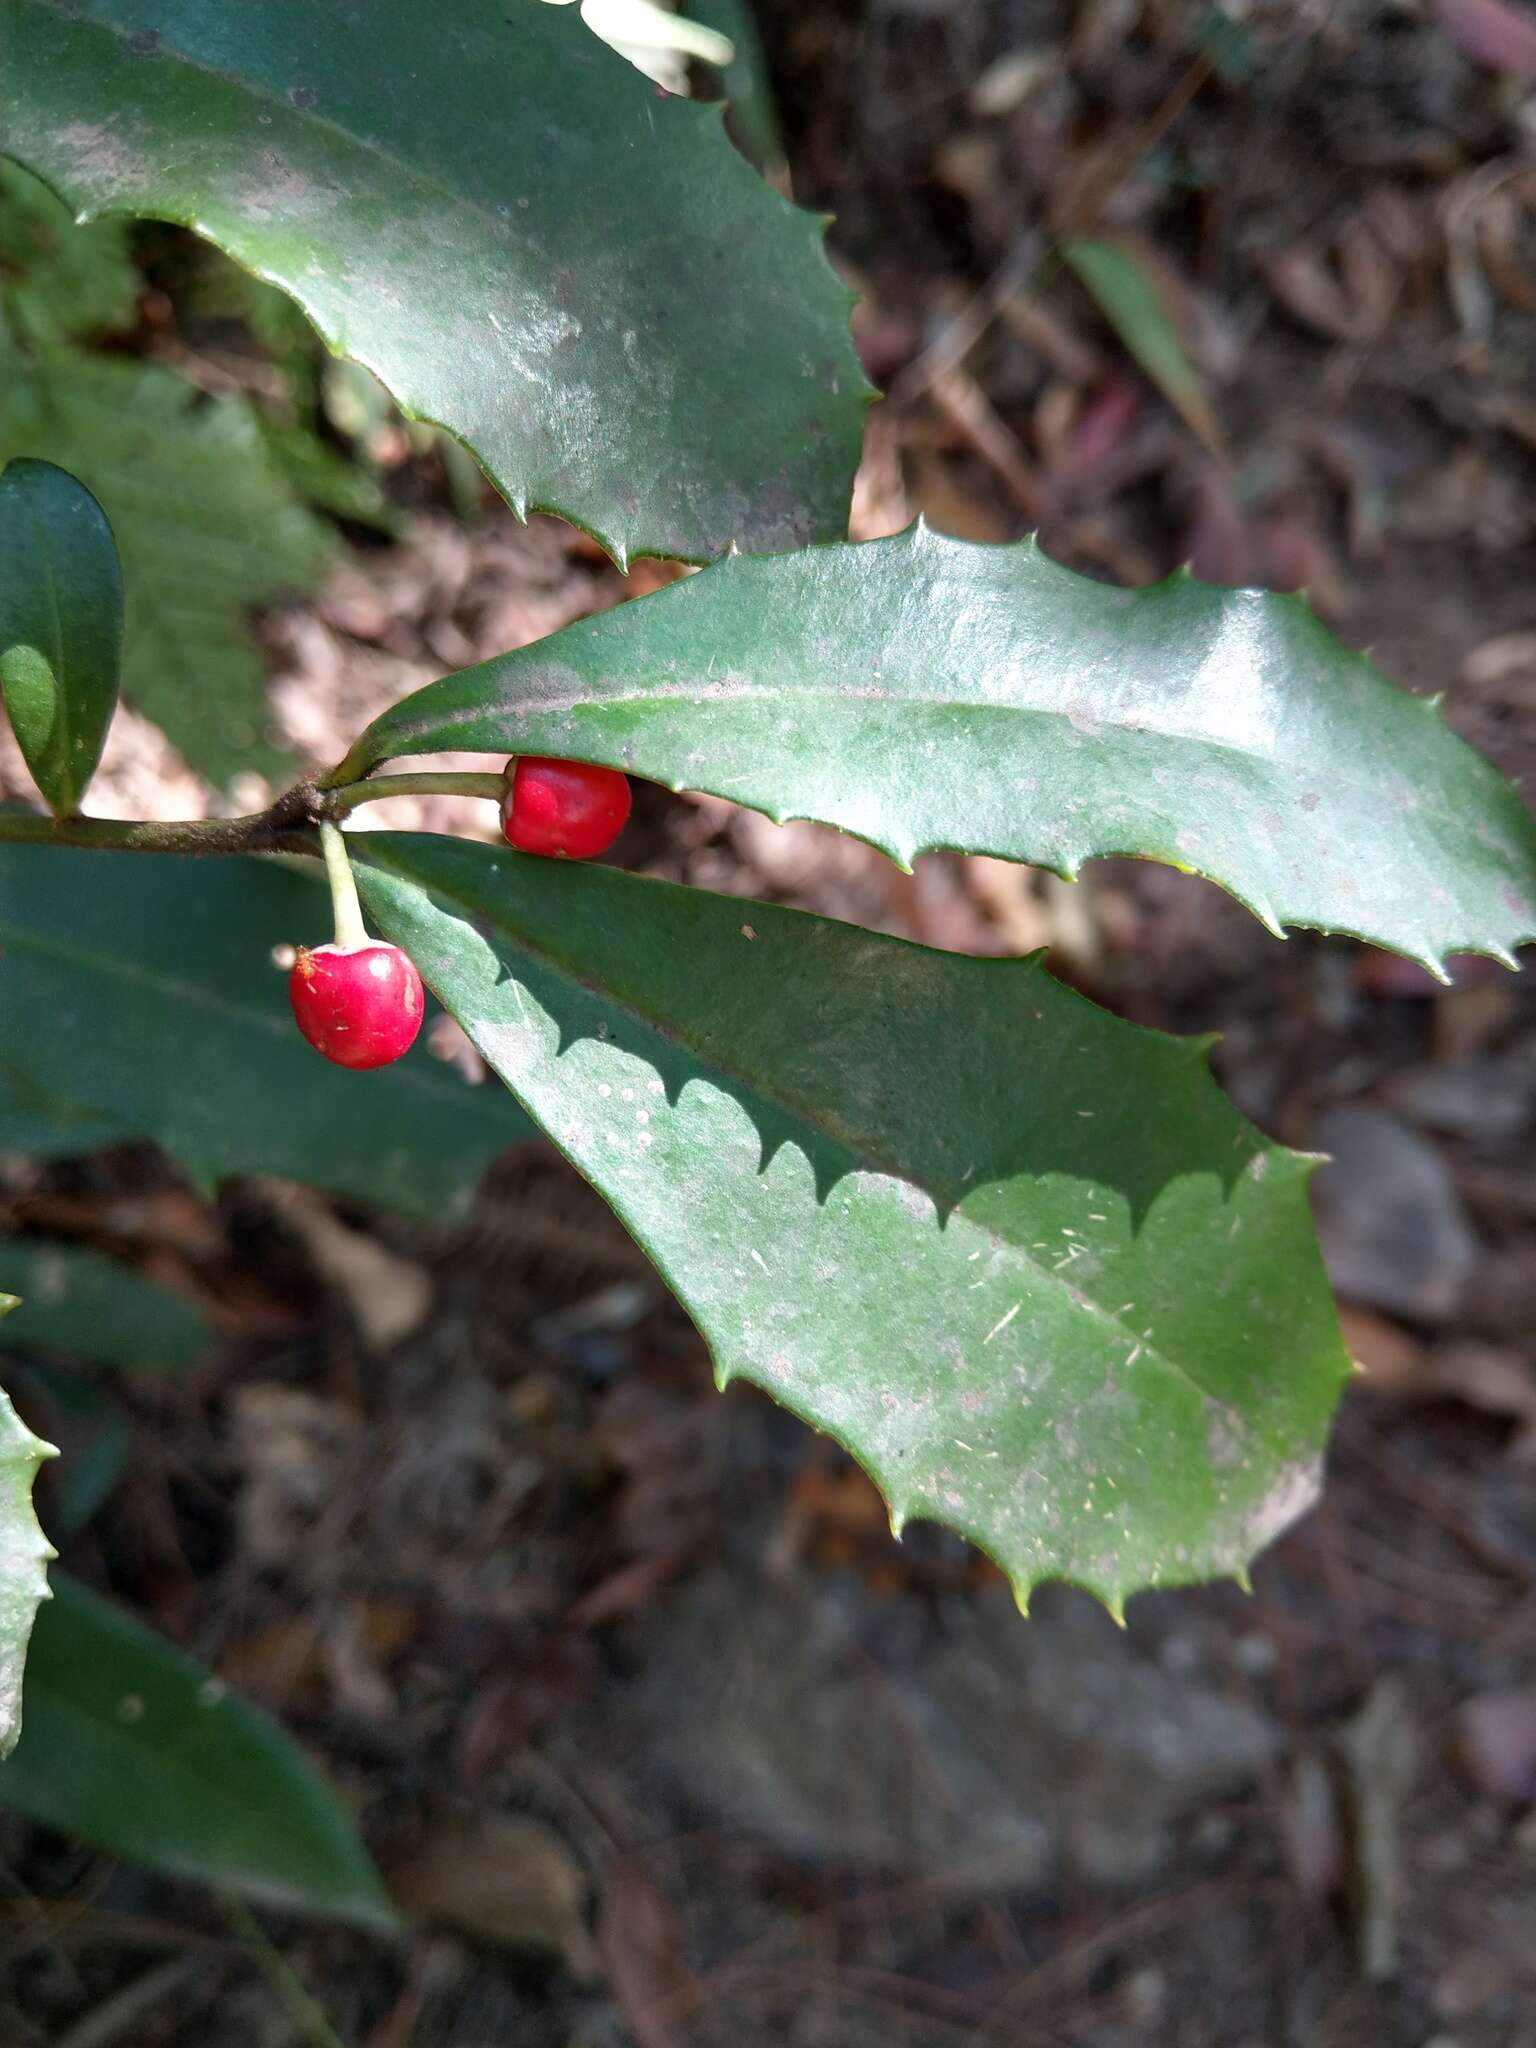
288 826
350 930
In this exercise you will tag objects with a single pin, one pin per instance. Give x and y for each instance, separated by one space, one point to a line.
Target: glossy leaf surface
132 1744
576 275
61 626
921 692
208 525
1022 1259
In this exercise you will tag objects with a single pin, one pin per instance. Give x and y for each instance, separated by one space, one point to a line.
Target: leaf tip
1432 964
1305 1163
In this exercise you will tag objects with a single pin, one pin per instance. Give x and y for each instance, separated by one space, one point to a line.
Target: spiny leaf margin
924 693
25 1554
864 1167
617 317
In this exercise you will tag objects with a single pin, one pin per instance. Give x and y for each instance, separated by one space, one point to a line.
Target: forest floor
659 1738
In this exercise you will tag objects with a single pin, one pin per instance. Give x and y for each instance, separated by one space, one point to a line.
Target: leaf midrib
820 695
713 1068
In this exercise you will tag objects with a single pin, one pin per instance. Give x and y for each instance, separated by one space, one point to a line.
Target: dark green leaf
578 277
1021 1258
61 626
94 1431
140 996
1130 301
133 1745
95 1308
59 282
208 524
754 118
922 692
24 1554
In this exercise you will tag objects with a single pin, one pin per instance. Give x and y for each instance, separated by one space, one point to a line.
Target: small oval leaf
61 626
132 1744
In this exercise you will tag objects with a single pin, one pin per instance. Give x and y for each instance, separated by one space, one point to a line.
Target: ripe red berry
569 809
360 1006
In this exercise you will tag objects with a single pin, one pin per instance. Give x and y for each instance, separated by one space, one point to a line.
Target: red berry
358 1005
569 809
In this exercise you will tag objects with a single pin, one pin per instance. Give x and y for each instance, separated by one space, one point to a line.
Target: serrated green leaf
579 278
1130 301
59 282
921 692
208 527
97 1309
24 1554
61 626
1022 1259
132 1744
140 997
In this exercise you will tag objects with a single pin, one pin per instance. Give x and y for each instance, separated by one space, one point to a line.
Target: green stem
294 1997
339 801
350 929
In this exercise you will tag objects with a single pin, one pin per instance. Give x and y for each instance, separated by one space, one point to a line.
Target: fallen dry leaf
1390 1359
1496 1742
1380 1749
1311 1828
292 1446
641 1944
389 1296
1491 33
501 1878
